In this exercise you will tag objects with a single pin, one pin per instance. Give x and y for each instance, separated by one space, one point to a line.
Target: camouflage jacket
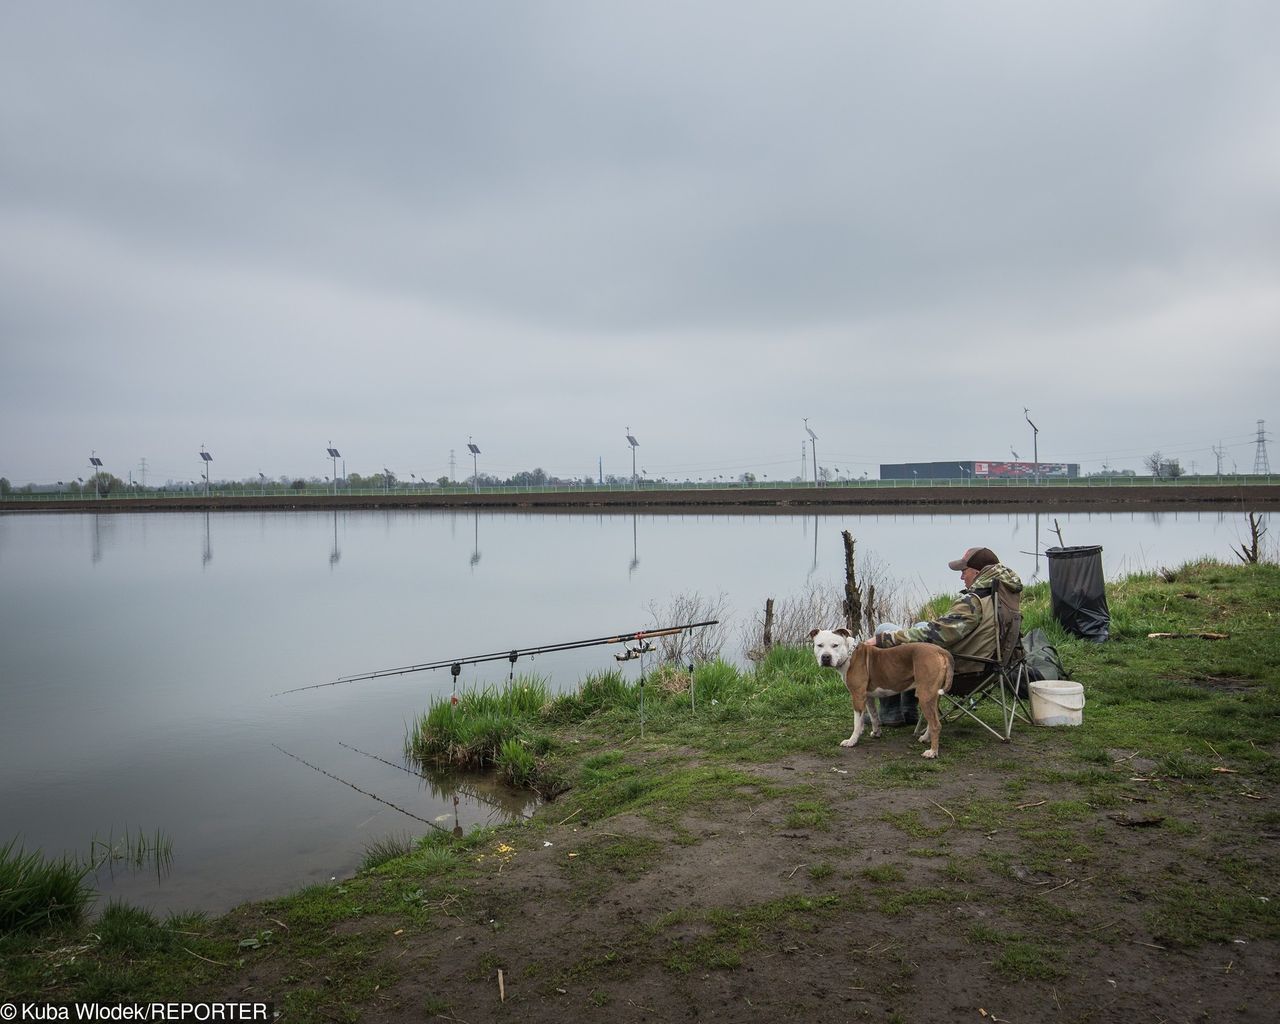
962 619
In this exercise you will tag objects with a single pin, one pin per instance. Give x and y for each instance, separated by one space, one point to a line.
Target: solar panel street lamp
335 455
813 445
475 465
204 455
634 445
95 464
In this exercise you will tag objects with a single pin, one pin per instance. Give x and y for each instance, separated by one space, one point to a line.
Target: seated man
968 626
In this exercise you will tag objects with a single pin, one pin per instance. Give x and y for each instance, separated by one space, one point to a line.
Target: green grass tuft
37 892
516 765
386 849
132 930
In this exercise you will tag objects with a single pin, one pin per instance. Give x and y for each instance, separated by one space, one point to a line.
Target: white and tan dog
884 672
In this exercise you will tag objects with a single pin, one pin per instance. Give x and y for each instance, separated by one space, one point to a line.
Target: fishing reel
628 653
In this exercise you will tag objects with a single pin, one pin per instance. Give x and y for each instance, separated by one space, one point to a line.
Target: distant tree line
104 483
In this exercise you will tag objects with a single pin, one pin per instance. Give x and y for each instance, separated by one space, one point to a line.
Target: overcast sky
268 227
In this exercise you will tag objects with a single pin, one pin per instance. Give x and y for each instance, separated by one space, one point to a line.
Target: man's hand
870 641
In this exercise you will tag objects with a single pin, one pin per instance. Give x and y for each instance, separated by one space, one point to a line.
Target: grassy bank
730 853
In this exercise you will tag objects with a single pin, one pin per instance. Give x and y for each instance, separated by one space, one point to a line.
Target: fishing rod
455 664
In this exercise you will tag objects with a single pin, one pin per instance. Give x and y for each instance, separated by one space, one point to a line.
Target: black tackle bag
1041 657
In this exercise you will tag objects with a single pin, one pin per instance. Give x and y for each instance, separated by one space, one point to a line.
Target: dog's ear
813 633
843 632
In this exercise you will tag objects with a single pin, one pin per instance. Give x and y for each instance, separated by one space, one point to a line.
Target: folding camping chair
1000 681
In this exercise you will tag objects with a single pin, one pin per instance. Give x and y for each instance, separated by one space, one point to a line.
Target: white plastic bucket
1057 702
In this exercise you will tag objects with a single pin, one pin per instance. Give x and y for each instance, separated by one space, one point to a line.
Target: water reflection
635 553
206 556
334 553
475 548
480 789
503 803
103 534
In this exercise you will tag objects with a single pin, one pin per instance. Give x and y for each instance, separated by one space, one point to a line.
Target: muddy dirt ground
994 889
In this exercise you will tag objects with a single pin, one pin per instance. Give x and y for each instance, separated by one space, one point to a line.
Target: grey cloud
555 192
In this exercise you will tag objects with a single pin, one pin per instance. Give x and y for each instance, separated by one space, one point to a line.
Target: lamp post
634 445
1035 442
813 446
206 458
335 455
475 465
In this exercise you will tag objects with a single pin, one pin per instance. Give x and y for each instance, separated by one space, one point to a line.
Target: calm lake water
140 655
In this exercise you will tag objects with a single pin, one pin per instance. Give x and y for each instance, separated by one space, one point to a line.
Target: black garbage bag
1078 593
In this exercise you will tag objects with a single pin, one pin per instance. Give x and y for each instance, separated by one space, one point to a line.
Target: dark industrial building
979 470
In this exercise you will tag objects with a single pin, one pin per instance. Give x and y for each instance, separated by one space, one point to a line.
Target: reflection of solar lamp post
475 465
335 455
813 446
207 458
95 464
634 445
1035 442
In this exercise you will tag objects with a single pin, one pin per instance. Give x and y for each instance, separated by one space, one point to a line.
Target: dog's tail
951 671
